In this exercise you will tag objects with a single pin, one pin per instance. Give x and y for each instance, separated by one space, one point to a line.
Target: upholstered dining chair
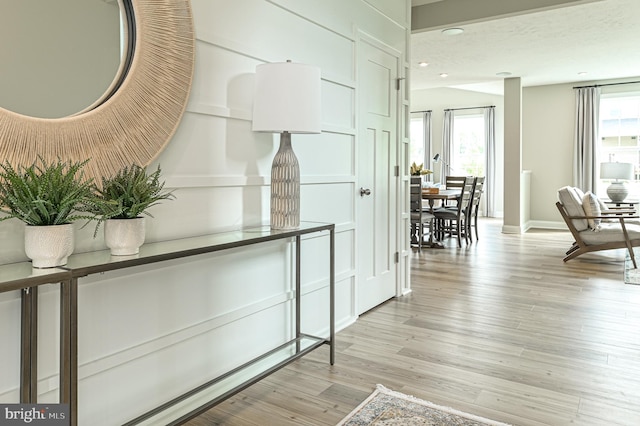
420 218
452 220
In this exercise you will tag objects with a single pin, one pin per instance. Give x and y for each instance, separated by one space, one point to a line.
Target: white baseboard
547 224
514 229
534 224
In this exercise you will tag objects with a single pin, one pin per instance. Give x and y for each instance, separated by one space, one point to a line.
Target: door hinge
398 80
396 171
396 257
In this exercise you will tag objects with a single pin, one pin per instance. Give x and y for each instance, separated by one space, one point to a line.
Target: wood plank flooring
501 328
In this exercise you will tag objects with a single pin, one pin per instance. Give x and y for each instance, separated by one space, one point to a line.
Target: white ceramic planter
124 236
48 246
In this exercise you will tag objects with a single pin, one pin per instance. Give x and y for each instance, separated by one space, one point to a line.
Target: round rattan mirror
139 115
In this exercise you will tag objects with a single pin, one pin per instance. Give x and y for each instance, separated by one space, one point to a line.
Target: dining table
431 196
442 194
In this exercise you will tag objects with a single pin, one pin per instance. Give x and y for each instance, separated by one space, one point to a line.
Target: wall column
512 155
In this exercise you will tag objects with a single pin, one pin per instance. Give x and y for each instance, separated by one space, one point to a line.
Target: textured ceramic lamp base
285 187
617 192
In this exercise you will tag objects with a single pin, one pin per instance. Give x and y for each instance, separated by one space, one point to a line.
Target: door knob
364 192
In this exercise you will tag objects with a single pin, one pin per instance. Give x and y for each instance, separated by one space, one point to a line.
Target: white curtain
490 160
426 119
585 159
447 144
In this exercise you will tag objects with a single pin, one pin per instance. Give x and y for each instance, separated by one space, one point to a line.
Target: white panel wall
151 333
548 121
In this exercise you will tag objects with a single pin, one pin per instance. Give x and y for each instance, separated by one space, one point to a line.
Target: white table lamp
287 100
618 172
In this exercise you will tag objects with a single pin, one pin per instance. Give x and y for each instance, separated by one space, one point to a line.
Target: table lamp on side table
287 100
619 172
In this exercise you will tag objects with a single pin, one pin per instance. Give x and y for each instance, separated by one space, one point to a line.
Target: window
417 142
420 139
468 145
619 131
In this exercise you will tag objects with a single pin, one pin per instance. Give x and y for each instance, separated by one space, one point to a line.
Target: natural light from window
619 131
468 146
416 145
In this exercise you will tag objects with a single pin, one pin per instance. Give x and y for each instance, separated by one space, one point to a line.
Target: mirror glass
58 57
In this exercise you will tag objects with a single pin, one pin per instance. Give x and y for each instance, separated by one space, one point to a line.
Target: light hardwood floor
501 329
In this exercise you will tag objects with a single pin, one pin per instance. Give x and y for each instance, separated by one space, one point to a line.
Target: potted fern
48 198
122 201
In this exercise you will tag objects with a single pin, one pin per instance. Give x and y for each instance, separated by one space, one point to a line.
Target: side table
627 203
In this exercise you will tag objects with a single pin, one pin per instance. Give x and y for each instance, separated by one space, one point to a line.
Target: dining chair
452 221
453 182
472 220
419 217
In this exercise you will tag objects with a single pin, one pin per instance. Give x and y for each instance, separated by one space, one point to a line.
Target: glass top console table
179 410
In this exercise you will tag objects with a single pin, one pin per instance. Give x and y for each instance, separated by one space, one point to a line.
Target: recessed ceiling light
423 64
444 75
583 73
452 31
503 74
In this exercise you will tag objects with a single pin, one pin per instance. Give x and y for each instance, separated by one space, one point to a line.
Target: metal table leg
29 346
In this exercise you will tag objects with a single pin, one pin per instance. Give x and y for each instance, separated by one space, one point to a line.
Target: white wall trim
219 111
545 224
339 130
383 13
207 36
512 229
244 181
534 224
241 50
316 23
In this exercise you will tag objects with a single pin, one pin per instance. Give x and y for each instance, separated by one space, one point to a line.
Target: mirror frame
136 121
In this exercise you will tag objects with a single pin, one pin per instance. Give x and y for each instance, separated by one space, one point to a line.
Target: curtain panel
586 138
427 126
447 145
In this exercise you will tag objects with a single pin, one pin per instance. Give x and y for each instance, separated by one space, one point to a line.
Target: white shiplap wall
152 332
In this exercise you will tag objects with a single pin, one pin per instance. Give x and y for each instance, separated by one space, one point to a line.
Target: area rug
385 407
632 275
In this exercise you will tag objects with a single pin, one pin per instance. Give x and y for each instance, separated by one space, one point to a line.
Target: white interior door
376 195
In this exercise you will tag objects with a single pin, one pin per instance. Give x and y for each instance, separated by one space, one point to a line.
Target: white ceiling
547 47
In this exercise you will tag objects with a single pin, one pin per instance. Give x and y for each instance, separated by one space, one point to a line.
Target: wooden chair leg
475 223
573 248
467 231
633 257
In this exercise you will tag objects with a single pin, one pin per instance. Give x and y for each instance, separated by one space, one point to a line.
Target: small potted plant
417 171
48 198
122 201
